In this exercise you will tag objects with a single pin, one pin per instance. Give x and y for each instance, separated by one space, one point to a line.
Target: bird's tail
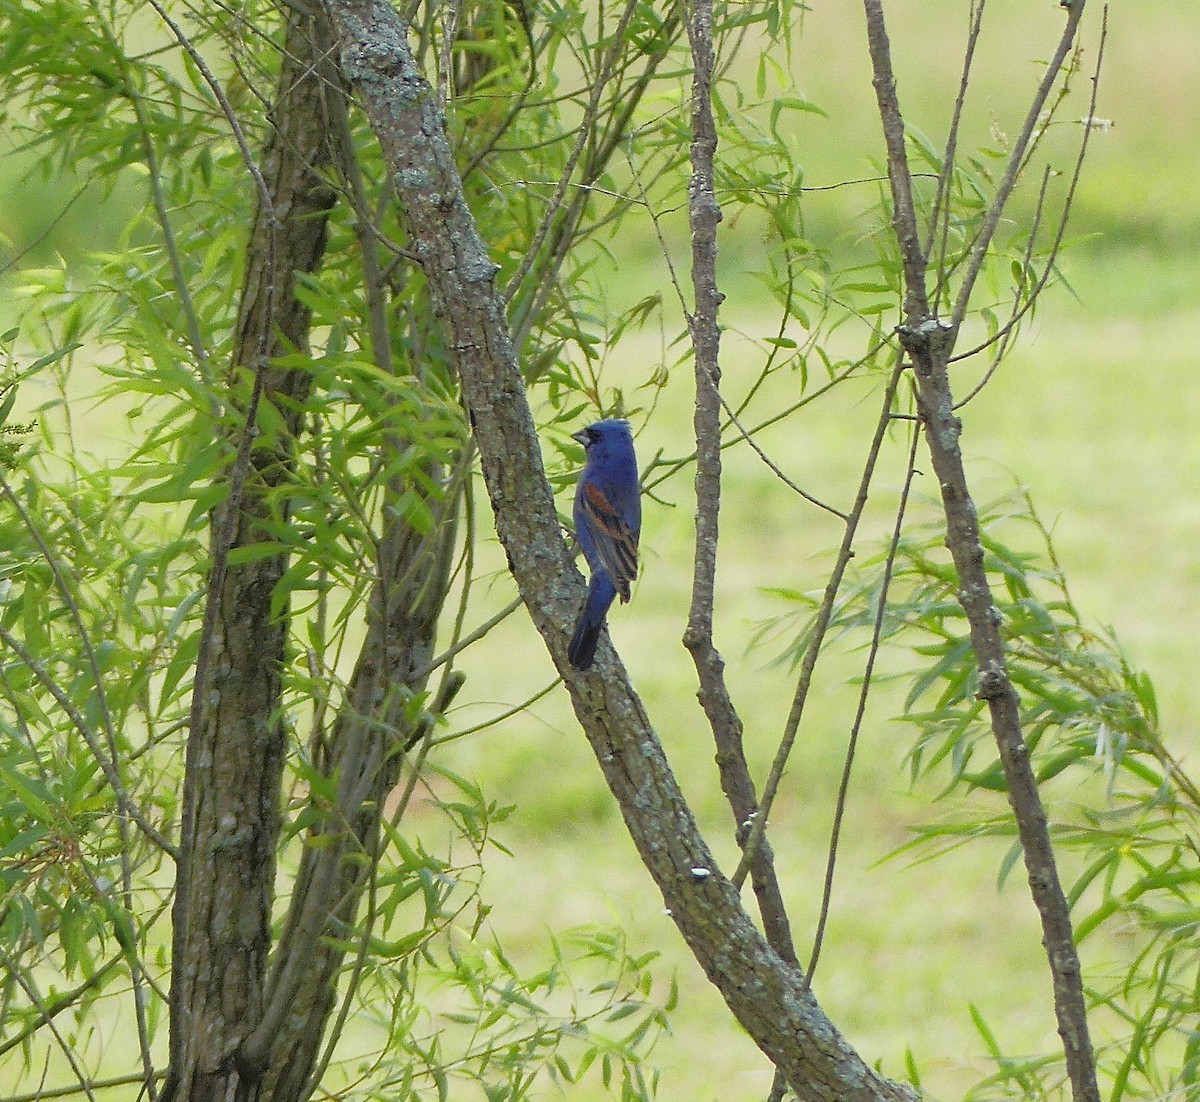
600 596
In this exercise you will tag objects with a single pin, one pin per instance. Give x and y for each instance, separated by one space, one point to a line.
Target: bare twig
1008 181
774 468
671 467
520 708
1068 201
864 691
941 203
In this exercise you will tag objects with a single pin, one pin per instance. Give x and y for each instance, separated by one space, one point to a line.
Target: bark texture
704 218
241 1029
235 755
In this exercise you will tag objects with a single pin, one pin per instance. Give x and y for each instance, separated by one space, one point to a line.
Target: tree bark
237 1030
235 755
363 753
727 729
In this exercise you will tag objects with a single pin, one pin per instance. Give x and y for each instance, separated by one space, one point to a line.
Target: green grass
1094 412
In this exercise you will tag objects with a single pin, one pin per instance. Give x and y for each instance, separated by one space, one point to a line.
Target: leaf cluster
1124 809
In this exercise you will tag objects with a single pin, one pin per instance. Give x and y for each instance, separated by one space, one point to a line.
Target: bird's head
605 435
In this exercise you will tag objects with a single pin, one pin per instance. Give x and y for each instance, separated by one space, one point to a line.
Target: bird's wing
616 542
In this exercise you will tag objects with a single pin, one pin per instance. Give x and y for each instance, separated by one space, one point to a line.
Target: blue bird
608 521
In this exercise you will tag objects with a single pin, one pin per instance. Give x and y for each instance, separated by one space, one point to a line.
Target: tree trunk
235 755
239 1031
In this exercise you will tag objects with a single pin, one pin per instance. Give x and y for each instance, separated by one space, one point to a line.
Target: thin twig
127 806
1068 203
1008 181
235 127
941 203
14 260
758 450
864 691
586 133
63 1002
514 710
68 1050
820 627
81 1088
472 637
671 467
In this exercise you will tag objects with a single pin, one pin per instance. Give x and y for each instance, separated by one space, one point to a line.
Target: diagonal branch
821 621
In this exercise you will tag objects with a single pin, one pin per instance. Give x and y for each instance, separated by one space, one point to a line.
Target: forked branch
929 343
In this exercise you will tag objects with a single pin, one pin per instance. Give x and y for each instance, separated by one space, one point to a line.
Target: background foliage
1089 411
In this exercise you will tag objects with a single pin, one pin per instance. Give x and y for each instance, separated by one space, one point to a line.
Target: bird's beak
581 436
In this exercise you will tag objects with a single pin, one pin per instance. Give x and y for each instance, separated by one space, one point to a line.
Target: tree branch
881 602
930 343
812 650
1016 159
705 216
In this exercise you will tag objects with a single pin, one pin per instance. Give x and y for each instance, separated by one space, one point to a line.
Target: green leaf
8 397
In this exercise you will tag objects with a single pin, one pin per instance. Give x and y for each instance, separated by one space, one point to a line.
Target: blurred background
1094 413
